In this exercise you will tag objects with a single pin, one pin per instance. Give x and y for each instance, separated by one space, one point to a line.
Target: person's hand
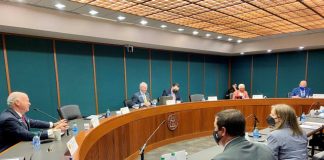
62 125
147 104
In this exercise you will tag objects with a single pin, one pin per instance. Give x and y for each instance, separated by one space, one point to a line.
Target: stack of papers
311 125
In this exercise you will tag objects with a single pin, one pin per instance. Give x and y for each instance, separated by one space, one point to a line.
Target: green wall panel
160 66
3 81
75 71
180 73
110 77
211 76
196 74
264 74
31 67
315 71
241 71
222 76
291 70
137 70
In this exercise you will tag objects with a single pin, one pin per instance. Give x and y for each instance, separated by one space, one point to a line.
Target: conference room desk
120 137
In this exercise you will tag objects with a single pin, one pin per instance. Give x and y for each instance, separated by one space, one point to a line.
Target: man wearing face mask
302 91
173 91
287 140
230 133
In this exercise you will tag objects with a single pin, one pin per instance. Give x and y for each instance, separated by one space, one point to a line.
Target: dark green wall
241 71
315 70
180 73
31 68
3 81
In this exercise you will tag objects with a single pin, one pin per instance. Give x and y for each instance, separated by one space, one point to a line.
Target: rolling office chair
289 94
128 103
70 112
196 97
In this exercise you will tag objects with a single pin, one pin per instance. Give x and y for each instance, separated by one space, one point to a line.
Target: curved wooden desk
120 137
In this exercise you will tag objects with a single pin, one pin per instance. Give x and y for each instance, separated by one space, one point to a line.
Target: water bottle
303 118
75 129
108 113
173 156
36 142
256 134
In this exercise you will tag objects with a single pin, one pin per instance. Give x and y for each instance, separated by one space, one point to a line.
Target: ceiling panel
238 18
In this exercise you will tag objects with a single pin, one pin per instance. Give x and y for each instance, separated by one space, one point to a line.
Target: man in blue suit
142 98
173 91
15 126
302 91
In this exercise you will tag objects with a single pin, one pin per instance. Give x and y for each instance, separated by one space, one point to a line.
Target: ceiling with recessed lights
236 18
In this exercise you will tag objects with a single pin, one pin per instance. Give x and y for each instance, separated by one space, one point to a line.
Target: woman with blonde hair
287 140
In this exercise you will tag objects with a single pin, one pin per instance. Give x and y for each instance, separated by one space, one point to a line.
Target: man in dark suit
15 126
173 91
230 133
142 98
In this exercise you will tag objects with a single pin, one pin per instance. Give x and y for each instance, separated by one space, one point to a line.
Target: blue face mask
302 88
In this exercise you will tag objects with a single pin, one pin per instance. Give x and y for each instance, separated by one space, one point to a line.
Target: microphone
44 113
141 152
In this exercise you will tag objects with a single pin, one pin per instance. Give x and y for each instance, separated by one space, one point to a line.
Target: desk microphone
44 113
48 115
141 152
314 104
255 120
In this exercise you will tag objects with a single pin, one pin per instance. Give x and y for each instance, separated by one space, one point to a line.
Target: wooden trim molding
5 57
125 75
56 76
95 77
277 72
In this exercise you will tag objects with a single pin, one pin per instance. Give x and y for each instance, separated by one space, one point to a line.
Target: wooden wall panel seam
56 76
277 72
5 57
306 66
125 74
251 77
150 70
95 77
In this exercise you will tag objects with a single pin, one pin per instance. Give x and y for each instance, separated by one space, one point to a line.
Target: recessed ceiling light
208 34
239 41
219 37
242 53
269 50
195 32
229 39
93 12
121 18
180 29
60 6
143 22
301 47
164 26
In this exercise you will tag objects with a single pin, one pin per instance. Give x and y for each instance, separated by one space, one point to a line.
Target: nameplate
72 145
94 122
170 102
124 110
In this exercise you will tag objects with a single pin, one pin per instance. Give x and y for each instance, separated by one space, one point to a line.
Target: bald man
142 98
15 126
302 91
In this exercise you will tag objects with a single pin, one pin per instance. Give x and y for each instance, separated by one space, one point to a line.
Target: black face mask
217 138
175 91
271 121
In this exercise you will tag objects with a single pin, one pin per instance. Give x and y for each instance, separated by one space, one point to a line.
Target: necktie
144 98
23 118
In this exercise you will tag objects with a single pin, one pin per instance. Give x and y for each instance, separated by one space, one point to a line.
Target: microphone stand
141 152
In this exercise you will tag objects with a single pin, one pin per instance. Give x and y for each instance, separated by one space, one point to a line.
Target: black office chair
70 112
196 97
128 103
289 94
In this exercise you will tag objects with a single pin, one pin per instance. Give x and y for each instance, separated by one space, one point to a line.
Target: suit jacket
167 92
14 130
297 92
286 146
242 149
138 98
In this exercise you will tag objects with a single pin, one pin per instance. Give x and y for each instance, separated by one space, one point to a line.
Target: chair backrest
231 95
128 103
196 97
70 112
163 99
289 94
